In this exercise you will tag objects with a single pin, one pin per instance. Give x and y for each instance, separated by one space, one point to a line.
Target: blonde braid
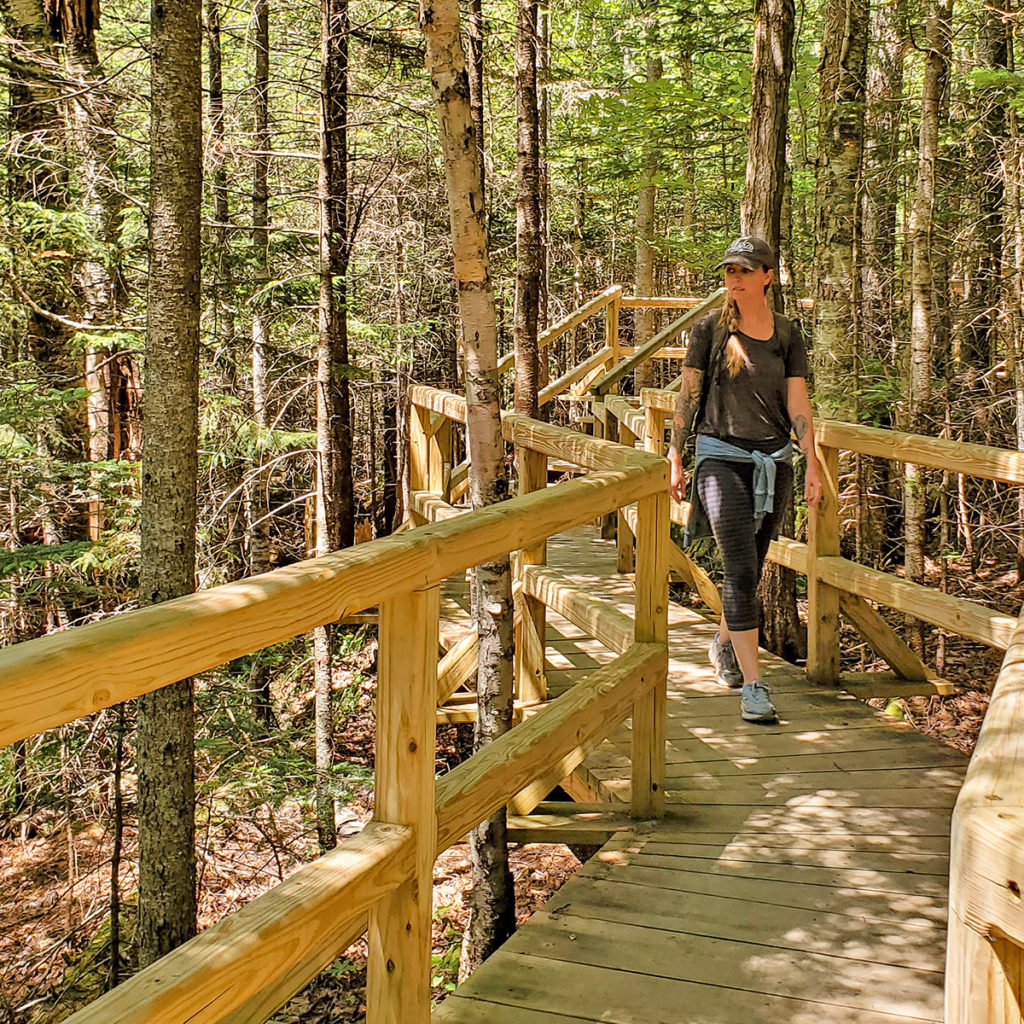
735 354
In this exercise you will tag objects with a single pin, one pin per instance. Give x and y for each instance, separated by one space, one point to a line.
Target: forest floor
54 940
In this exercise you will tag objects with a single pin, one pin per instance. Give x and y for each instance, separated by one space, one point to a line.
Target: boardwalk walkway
799 875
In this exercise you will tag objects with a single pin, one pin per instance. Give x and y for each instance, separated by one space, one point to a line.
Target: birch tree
492 900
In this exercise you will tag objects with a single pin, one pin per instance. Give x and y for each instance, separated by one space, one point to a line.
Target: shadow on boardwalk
799 875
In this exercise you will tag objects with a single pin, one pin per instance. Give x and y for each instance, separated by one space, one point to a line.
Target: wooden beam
888 684
574 319
596 618
547 824
399 932
882 637
647 776
954 614
574 375
608 382
309 917
531 682
823 598
628 415
990 463
665 353
64 676
662 301
548 745
790 553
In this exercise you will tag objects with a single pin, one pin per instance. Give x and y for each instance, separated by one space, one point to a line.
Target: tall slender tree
167 875
761 215
492 900
529 237
650 163
841 87
922 279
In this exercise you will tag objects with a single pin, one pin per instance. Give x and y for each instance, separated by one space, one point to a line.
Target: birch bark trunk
492 901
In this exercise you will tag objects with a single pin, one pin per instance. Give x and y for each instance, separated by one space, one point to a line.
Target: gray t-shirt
749 410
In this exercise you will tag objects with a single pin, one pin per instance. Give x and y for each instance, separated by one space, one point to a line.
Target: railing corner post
531 678
399 936
823 599
651 612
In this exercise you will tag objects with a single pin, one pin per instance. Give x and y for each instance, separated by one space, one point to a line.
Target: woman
744 393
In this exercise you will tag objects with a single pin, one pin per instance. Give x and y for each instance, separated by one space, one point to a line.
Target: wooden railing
244 967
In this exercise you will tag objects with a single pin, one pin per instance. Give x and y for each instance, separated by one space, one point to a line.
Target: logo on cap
741 245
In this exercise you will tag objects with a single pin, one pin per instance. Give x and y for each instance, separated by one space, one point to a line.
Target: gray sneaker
755 702
727 668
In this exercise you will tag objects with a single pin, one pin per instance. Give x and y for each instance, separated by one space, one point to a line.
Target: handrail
985 946
243 968
662 338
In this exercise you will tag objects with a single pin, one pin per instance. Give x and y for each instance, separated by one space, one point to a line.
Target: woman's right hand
677 481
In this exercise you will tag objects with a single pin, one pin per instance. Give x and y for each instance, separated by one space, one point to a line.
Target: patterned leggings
726 489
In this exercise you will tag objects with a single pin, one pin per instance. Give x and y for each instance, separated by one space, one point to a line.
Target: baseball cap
749 251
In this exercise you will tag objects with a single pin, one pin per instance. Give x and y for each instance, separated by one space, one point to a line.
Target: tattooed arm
682 426
798 405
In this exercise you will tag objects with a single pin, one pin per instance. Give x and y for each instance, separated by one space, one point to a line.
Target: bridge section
800 872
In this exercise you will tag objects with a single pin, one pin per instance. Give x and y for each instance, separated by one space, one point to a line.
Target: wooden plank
531 685
822 599
545 744
790 553
883 638
917 944
597 618
978 460
588 827
929 866
399 936
624 997
311 913
860 903
647 780
867 985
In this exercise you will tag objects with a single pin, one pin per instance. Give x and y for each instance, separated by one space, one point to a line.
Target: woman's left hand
812 482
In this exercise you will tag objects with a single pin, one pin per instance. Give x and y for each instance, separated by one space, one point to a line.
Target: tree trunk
257 509
643 319
492 901
528 221
167 875
476 84
761 215
840 142
922 222
877 247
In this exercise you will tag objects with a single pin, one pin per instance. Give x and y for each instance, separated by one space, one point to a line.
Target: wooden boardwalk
799 875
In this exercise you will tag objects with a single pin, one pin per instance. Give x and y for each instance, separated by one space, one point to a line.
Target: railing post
440 459
611 326
822 599
651 610
624 535
419 448
531 680
398 969
654 428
